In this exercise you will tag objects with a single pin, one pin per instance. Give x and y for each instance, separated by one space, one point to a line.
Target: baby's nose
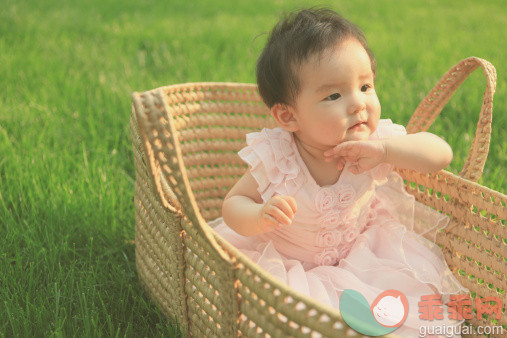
357 107
356 103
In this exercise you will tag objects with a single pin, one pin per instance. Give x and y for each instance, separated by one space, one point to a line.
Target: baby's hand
363 155
277 212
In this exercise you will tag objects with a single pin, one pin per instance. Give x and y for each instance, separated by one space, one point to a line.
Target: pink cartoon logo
390 308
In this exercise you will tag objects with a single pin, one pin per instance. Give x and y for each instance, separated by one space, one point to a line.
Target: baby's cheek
331 132
373 124
376 104
337 126
374 109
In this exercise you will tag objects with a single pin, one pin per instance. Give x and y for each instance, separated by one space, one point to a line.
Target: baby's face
337 101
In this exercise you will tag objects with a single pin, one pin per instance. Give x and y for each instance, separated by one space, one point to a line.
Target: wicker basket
185 140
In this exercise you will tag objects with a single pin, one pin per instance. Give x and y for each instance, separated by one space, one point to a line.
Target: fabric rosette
328 238
344 250
351 233
330 220
328 256
345 195
326 199
341 197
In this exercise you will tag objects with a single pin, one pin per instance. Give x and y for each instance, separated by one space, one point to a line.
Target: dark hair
292 41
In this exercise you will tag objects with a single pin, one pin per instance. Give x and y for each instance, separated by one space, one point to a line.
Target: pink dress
364 232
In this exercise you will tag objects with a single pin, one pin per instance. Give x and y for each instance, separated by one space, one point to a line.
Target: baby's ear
284 115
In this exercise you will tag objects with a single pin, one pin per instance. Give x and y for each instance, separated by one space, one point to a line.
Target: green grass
67 71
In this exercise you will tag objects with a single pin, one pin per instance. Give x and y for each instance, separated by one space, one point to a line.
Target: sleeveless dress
365 232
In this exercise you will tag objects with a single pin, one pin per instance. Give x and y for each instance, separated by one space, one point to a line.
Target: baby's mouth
358 125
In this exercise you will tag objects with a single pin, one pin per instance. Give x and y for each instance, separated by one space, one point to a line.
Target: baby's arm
244 211
423 152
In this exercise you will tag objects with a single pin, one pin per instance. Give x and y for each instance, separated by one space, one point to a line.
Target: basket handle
433 103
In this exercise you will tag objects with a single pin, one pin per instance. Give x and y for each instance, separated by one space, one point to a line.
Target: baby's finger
341 163
360 170
330 157
331 153
270 222
293 203
284 207
354 169
341 149
279 215
289 202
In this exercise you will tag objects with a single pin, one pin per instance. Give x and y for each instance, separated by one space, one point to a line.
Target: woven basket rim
199 84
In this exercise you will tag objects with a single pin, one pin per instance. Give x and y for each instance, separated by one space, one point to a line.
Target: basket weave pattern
185 140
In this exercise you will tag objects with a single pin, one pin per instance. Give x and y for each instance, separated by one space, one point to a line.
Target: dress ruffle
272 161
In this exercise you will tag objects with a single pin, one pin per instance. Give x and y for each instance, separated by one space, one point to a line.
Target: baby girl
320 206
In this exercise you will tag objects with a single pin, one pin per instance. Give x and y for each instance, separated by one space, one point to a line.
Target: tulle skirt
385 256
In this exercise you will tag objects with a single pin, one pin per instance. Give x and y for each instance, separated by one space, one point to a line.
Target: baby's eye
365 87
332 97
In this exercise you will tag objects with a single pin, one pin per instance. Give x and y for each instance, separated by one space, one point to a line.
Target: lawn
67 71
